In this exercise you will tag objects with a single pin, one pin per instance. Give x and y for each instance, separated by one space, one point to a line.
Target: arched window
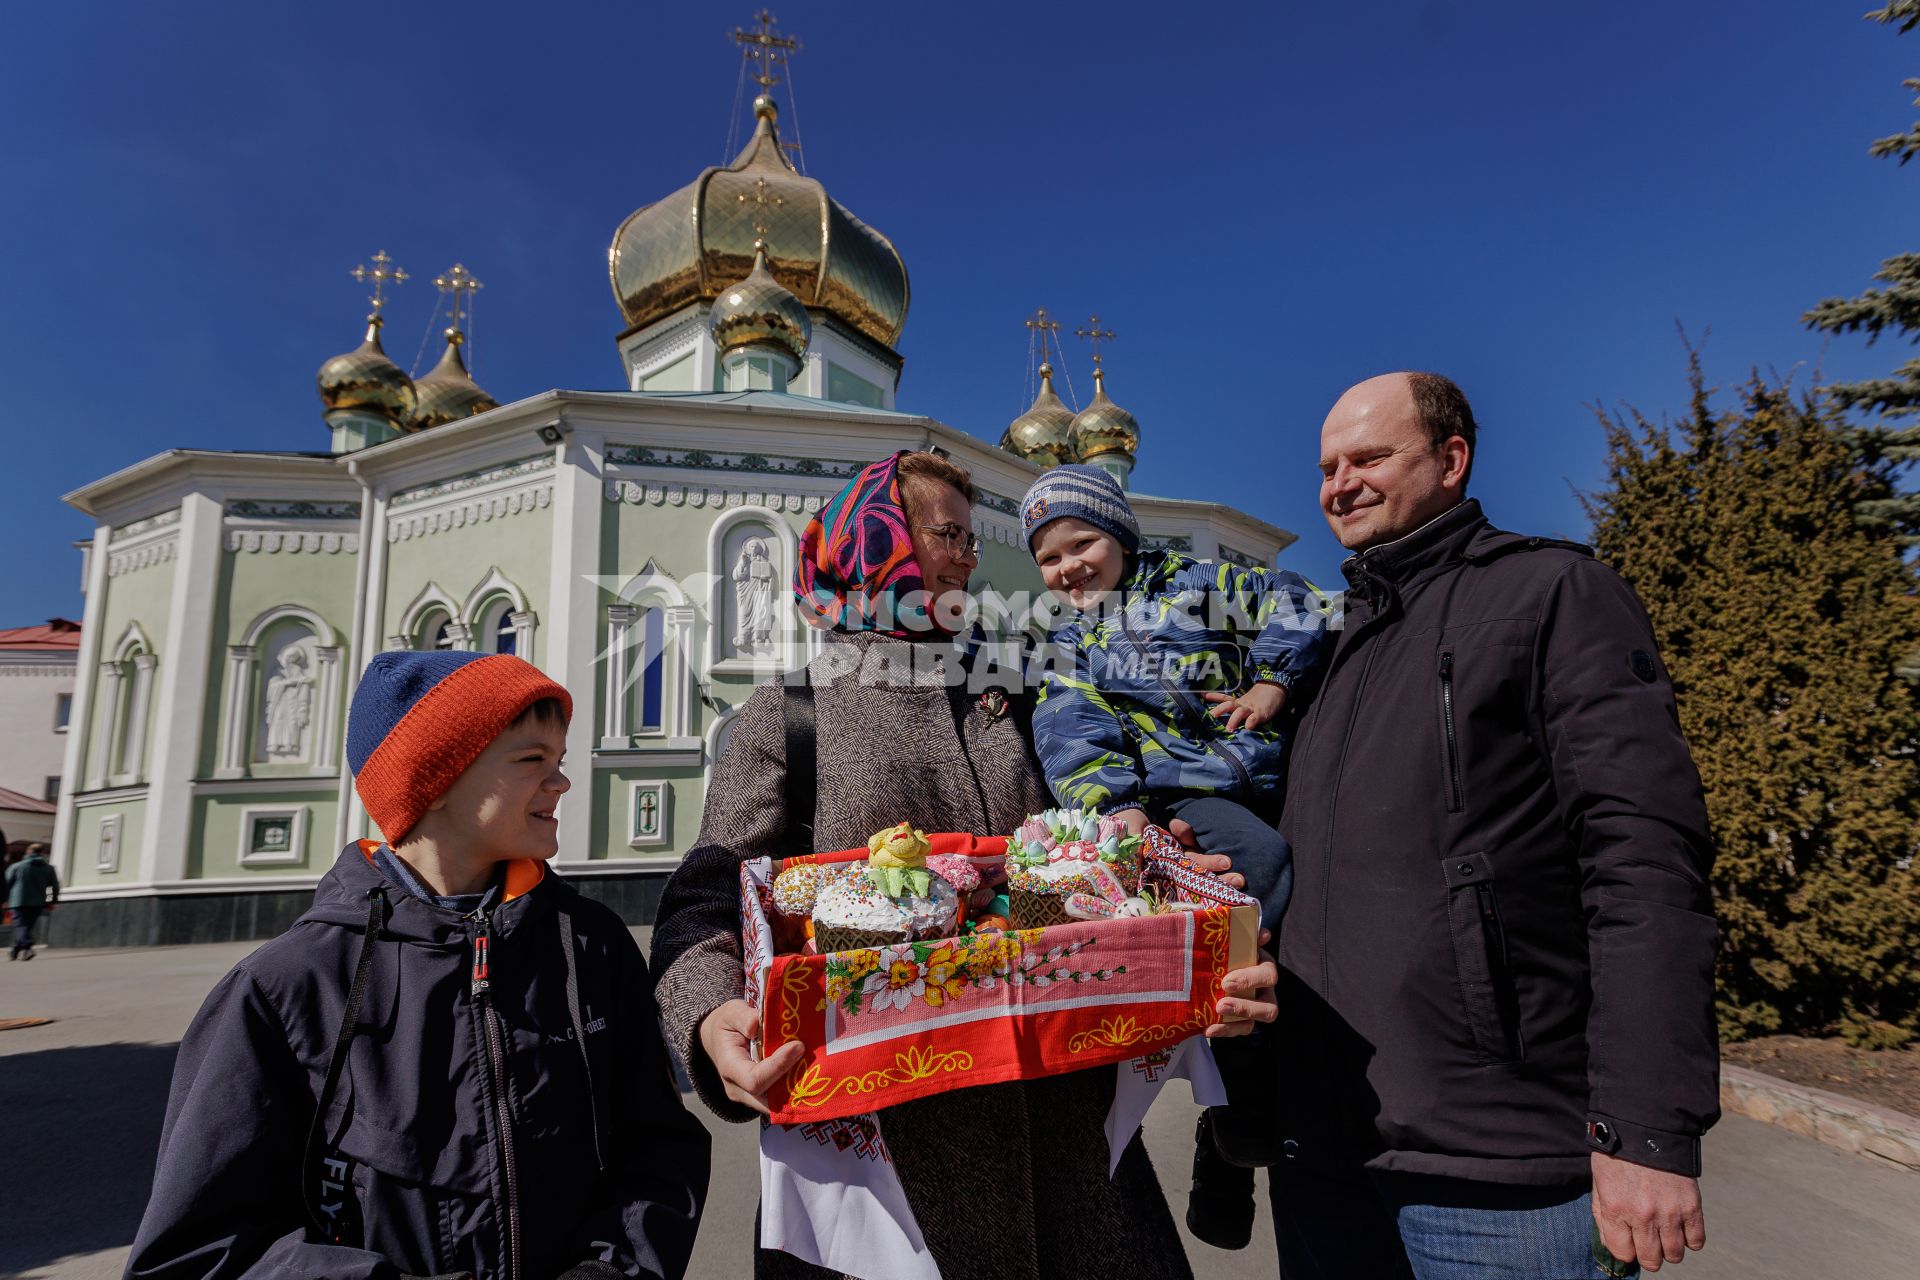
649 692
649 664
496 618
436 631
126 694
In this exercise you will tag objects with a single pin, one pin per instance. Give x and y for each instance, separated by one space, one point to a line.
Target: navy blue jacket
474 1132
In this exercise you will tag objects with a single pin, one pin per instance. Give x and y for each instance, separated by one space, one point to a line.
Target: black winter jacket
1499 955
475 1133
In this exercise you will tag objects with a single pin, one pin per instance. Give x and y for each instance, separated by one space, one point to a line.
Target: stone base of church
182 919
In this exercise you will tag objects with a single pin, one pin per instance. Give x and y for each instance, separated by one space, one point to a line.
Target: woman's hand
1251 709
1218 864
727 1034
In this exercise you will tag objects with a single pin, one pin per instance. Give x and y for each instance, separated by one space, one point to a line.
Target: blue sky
1267 202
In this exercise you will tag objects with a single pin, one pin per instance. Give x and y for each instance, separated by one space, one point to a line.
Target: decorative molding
773 464
636 493
310 541
478 511
106 850
293 509
1240 558
38 665
661 753
471 480
147 554
255 786
1166 542
110 795
133 530
649 825
262 847
662 350
994 502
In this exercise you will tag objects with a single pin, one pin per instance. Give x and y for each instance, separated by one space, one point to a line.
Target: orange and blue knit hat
419 719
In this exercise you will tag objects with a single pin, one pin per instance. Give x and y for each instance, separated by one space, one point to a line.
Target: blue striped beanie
1085 493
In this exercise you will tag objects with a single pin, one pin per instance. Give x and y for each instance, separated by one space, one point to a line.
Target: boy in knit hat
450 1065
1169 697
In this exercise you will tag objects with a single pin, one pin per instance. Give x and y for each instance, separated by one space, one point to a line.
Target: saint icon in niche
289 705
753 598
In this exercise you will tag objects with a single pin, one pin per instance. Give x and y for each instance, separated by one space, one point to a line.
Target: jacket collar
1439 540
341 898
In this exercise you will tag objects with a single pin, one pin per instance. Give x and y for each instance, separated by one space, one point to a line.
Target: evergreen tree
1895 309
1781 617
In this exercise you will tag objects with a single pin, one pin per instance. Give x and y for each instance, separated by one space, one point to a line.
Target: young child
450 1065
1172 676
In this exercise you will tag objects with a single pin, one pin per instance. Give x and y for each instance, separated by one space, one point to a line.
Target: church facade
635 544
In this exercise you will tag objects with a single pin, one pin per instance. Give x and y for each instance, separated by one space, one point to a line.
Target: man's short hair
1445 413
36 850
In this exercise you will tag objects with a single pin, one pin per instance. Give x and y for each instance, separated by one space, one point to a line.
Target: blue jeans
1258 852
1351 1226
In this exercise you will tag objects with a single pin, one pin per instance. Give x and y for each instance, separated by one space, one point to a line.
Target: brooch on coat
994 703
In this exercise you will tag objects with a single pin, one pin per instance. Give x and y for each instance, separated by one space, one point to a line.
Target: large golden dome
449 393
364 380
1043 434
699 240
1103 427
760 311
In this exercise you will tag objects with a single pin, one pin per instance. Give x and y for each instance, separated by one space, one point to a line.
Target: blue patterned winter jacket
1120 720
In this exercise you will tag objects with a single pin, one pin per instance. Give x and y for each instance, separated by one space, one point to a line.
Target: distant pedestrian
32 888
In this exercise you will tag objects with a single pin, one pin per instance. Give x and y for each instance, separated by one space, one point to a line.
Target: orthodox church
636 544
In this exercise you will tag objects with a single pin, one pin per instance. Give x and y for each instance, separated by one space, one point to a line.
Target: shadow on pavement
82 1126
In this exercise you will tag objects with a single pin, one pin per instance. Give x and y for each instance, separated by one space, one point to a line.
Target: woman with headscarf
1003 1179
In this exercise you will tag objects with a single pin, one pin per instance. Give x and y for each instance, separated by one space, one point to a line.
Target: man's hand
1647 1214
1136 819
1251 709
1249 995
727 1034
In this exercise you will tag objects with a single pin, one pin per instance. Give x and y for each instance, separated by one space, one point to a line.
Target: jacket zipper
1453 743
482 991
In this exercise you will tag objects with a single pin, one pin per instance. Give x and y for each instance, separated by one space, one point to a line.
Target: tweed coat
1008 1179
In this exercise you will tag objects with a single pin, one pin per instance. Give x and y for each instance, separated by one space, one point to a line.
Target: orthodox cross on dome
1043 331
1096 335
454 282
766 48
380 274
761 202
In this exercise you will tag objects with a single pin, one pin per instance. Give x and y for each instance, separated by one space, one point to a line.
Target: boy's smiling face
502 807
1078 560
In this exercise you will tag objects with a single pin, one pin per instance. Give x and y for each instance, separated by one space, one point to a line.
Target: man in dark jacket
1498 965
451 1065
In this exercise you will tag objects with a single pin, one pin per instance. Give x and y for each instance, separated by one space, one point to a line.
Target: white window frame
297 842
662 792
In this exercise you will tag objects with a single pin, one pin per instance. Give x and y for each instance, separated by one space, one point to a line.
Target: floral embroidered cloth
884 1025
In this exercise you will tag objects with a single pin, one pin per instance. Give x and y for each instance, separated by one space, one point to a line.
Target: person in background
33 887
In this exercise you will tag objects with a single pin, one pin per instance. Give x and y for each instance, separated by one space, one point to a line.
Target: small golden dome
760 311
1103 427
448 394
1042 435
364 380
690 245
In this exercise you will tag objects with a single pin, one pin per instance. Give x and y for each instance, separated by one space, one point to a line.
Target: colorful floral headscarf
856 559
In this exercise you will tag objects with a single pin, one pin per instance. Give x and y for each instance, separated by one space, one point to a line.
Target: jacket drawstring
580 1033
342 1043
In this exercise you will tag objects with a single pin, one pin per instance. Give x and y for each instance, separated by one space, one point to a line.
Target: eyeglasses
960 542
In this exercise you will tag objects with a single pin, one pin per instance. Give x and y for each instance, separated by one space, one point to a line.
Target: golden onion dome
1103 427
1042 435
699 240
366 381
448 394
760 311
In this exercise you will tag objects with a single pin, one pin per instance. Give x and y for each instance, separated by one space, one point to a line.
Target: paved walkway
83 1098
